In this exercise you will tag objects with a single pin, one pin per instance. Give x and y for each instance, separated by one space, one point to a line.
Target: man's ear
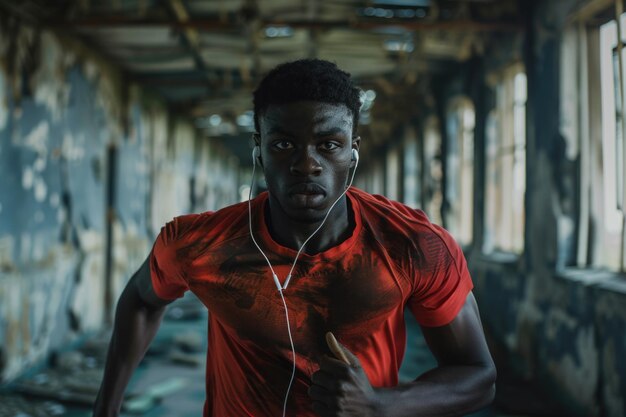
356 145
257 142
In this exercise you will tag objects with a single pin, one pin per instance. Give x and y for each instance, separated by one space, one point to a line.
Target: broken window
505 180
460 169
609 214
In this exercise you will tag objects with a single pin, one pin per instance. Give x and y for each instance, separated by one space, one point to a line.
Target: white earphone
256 154
355 156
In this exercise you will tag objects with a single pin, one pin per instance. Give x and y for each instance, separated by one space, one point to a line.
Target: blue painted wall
55 135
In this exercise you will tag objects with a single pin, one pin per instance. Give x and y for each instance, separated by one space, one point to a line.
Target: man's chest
352 296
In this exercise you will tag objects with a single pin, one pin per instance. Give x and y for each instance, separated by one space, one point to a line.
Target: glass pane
411 191
460 169
609 221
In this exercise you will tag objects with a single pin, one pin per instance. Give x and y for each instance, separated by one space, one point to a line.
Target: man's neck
293 234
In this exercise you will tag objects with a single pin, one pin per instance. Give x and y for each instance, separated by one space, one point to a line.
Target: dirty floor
176 375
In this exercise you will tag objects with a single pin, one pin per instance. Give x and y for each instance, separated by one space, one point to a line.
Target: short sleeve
166 267
441 279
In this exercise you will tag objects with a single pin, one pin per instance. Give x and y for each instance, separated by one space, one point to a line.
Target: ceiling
205 56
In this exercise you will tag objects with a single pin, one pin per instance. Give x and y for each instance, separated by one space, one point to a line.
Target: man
370 259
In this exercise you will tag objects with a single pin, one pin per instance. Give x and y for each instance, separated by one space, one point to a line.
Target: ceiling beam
190 36
590 9
170 81
190 26
190 33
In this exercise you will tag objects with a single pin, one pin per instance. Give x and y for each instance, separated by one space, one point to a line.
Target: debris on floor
17 406
142 403
69 384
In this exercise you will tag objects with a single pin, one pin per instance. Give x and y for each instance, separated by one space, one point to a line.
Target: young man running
307 303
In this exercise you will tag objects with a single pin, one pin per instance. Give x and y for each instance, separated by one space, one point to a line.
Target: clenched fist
340 387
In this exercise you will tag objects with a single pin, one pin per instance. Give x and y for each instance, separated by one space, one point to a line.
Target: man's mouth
307 195
308 188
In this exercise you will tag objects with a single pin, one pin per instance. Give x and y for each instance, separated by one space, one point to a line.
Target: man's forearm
136 324
446 391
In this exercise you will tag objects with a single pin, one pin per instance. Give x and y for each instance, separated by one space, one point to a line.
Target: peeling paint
87 302
91 70
51 89
615 388
52 158
611 306
28 178
25 247
33 304
40 190
37 138
7 253
579 373
72 149
40 164
557 319
55 200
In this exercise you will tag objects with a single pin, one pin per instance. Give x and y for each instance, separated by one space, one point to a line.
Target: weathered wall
62 109
561 327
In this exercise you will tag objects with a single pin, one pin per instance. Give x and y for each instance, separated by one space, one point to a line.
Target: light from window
460 169
505 150
433 177
410 166
609 233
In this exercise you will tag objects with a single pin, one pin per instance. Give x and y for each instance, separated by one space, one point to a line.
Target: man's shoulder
400 223
375 205
223 222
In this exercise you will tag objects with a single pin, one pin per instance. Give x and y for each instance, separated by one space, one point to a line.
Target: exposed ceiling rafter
216 25
190 36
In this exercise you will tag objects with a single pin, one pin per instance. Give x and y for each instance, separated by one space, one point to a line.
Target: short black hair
307 80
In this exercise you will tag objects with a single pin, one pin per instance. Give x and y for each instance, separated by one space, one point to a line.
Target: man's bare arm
462 382
137 319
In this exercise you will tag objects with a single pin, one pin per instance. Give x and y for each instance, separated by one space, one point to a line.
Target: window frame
505 140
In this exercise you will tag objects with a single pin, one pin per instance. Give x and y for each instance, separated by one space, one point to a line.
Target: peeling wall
563 328
61 109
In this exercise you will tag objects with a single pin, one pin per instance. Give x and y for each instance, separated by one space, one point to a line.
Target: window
377 177
591 78
609 215
433 175
505 180
460 169
392 174
410 169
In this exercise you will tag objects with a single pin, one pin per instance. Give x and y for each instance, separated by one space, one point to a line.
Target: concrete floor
183 385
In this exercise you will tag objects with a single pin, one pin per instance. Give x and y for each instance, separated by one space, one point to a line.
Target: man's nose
305 163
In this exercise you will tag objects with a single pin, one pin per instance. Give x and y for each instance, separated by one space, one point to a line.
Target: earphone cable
280 291
293 352
319 227
293 265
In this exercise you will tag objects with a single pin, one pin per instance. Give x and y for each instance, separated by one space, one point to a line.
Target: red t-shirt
395 258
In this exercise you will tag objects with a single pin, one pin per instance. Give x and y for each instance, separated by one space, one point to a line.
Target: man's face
306 151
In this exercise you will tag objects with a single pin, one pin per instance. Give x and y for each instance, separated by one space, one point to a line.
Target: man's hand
340 387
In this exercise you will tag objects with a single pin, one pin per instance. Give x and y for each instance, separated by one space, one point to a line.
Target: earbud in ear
256 153
355 155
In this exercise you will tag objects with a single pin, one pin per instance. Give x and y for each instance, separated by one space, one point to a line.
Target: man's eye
329 146
283 144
